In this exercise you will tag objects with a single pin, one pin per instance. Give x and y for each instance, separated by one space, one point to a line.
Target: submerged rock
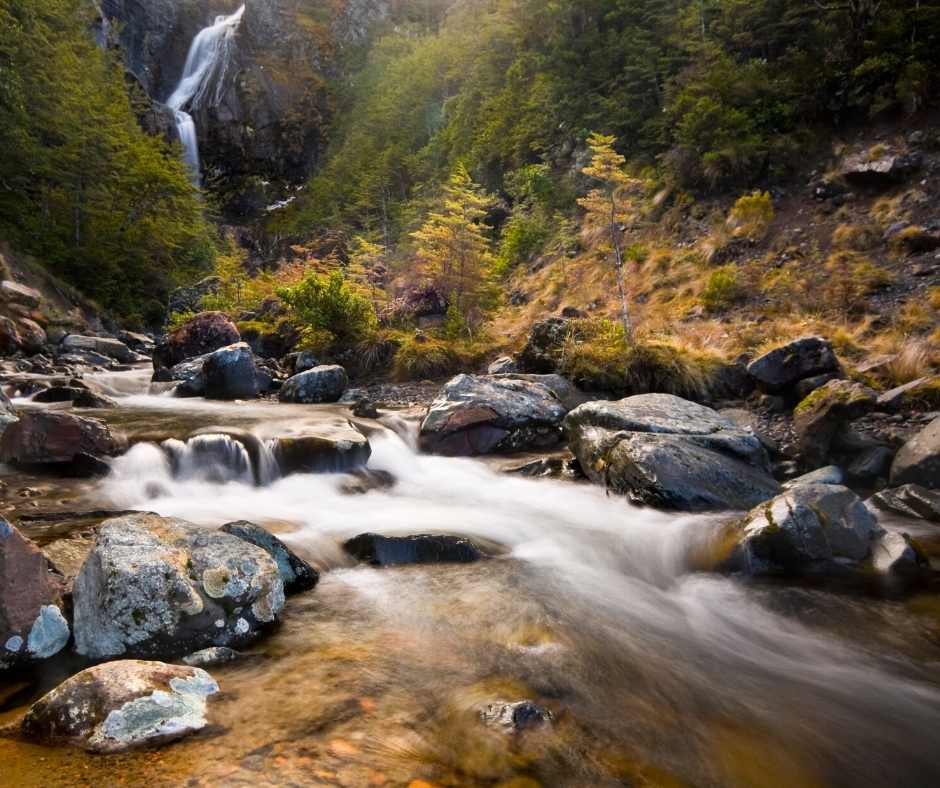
122 705
162 587
335 447
420 549
795 361
918 461
324 384
516 717
58 440
476 414
664 451
208 657
296 574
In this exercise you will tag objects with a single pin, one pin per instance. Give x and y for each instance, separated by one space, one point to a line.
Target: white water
206 65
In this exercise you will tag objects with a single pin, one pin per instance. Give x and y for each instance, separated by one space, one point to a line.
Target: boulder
515 717
784 366
318 385
809 529
664 451
918 461
139 343
879 172
16 293
365 408
7 412
32 624
105 346
420 549
831 474
45 438
544 344
163 587
909 500
86 398
335 447
479 414
305 360
502 366
807 386
296 574
229 373
567 393
823 413
203 334
33 337
122 705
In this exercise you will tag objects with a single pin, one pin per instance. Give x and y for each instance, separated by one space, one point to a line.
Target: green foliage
329 309
82 187
722 290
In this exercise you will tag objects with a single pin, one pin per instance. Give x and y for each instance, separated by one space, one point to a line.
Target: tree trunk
618 264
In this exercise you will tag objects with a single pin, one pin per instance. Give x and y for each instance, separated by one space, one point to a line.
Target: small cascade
210 458
206 67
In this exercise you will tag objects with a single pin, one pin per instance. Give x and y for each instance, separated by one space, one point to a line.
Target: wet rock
112 348
664 451
831 474
318 385
209 657
477 414
516 717
156 586
122 705
549 468
55 394
420 549
32 624
7 412
502 366
203 334
15 293
809 529
364 408
296 574
910 500
897 554
336 447
56 440
918 461
362 481
229 373
823 413
544 344
192 383
86 398
795 361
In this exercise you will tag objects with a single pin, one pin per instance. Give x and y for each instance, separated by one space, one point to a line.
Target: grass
916 360
856 237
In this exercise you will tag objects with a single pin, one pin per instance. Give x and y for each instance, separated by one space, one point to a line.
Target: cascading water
206 65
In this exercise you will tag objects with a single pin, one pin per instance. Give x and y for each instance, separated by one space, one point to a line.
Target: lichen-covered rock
419 549
918 461
809 529
203 334
793 362
296 574
122 705
32 624
45 438
664 451
163 587
910 500
33 336
908 394
323 384
229 373
478 414
335 447
823 413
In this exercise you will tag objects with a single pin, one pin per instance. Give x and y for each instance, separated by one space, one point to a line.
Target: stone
831 474
189 299
229 373
818 418
140 343
365 408
567 393
209 657
918 461
32 624
898 555
46 438
871 464
362 481
909 500
324 384
664 451
202 334
419 549
120 706
305 360
296 574
16 293
481 414
515 717
33 336
881 172
105 346
336 447
807 386
85 398
503 365
544 344
809 529
157 587
898 398
803 358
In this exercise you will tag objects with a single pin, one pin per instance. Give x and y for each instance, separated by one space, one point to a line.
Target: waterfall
212 457
206 65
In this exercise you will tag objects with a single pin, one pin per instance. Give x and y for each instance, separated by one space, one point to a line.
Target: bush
722 290
423 358
751 216
328 305
851 277
856 237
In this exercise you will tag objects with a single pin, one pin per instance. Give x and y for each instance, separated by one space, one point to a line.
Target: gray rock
810 529
189 299
823 413
502 366
105 346
336 447
296 574
896 554
831 474
894 400
317 385
806 387
663 451
229 373
872 464
863 171
515 717
918 461
305 361
122 705
153 586
420 549
478 414
909 500
209 657
795 361
141 343
568 394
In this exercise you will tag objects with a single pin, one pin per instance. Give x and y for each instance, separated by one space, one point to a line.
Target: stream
657 675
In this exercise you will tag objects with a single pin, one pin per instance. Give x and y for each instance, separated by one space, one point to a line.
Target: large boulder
32 624
335 447
296 574
106 346
823 413
229 373
664 451
315 386
203 334
122 705
481 414
58 440
380 550
918 461
784 366
809 529
157 587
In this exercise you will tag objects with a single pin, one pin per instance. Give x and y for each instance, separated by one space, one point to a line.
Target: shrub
524 235
421 357
856 237
851 277
328 304
751 216
722 289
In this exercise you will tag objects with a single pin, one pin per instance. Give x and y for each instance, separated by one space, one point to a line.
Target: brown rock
203 334
44 437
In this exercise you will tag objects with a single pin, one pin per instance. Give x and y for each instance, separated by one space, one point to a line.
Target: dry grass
915 360
856 237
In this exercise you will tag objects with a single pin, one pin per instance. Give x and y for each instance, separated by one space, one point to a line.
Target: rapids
657 674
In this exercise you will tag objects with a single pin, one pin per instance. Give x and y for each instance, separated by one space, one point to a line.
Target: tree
329 308
605 208
451 248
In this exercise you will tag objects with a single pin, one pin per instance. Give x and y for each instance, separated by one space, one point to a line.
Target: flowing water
203 80
657 674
